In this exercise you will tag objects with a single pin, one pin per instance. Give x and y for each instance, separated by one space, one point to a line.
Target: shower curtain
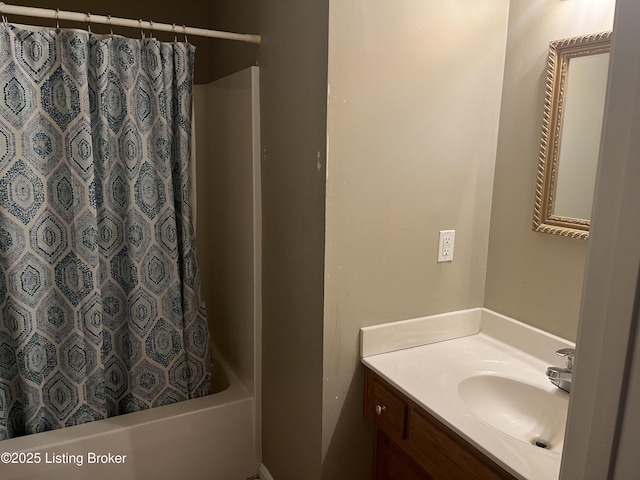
100 302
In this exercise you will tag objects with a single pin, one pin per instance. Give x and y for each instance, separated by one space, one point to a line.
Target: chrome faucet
561 377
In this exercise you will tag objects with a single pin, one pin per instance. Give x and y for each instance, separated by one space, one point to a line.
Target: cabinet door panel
411 444
385 407
393 463
445 454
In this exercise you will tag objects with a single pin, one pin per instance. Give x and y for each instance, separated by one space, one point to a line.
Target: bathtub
210 438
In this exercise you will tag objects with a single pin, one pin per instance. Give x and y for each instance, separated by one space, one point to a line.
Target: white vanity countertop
431 375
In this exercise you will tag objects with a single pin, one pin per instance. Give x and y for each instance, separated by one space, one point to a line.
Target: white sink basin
489 387
523 411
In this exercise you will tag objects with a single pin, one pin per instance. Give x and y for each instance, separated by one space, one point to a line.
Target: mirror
577 70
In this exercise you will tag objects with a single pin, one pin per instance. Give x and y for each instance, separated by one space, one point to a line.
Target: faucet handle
570 353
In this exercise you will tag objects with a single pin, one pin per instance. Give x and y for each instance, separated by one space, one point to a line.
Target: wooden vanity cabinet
411 444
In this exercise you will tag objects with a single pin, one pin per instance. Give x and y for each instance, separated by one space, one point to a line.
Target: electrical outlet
446 241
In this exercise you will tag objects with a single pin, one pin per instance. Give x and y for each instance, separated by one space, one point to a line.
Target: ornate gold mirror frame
560 53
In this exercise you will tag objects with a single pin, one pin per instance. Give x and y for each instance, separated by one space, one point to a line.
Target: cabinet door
385 407
445 454
393 463
411 444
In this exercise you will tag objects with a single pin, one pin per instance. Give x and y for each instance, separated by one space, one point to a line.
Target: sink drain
539 442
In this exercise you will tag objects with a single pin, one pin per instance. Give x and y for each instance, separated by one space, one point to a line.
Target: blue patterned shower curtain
100 301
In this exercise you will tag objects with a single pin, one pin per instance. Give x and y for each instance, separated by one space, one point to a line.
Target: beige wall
293 85
533 277
414 98
240 16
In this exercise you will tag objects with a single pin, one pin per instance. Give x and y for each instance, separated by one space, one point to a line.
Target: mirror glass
573 111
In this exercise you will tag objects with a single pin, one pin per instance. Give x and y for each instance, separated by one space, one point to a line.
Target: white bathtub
210 438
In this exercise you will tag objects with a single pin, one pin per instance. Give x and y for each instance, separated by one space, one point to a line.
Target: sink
523 411
489 386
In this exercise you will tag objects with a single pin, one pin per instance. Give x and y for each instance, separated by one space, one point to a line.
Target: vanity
463 395
412 444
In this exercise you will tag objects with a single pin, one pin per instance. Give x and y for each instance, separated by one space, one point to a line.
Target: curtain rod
124 22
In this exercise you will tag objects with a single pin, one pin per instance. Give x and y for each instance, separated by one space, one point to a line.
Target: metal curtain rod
90 18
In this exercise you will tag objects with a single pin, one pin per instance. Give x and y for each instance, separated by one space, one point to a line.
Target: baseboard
264 473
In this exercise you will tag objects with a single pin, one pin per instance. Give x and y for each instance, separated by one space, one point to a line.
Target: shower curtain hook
57 19
173 29
151 29
184 29
89 23
141 30
110 25
5 21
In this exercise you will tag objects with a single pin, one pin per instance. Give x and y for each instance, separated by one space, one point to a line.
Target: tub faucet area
561 377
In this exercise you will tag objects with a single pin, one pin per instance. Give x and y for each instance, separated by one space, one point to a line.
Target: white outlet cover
446 242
